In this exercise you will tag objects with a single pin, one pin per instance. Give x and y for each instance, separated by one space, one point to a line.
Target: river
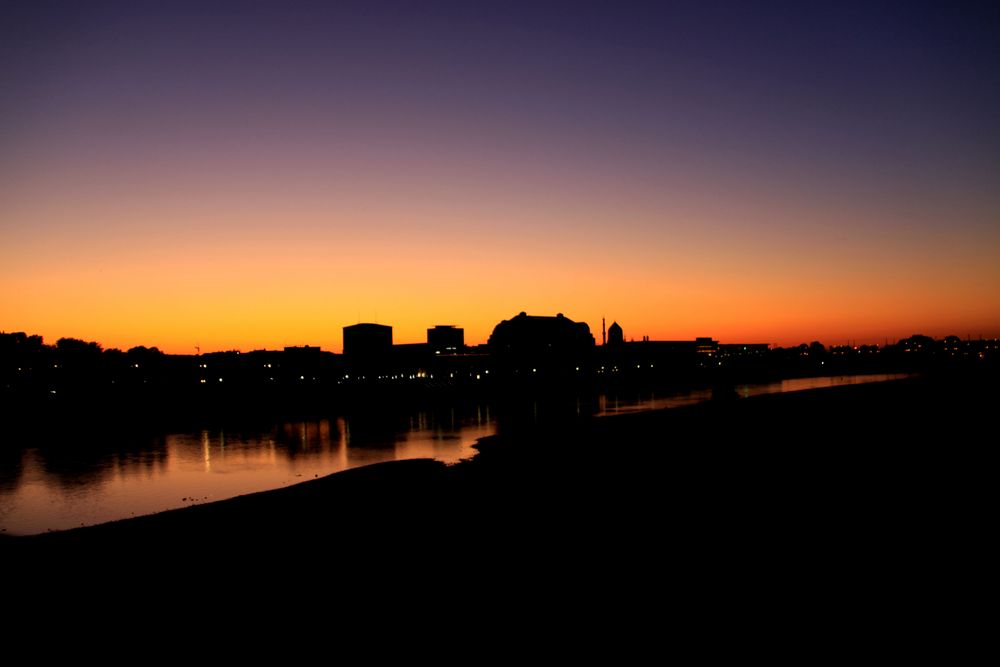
54 487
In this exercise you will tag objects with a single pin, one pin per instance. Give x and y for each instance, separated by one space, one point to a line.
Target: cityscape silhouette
676 318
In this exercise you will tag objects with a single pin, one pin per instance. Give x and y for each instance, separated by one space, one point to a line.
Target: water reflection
81 479
611 405
91 475
90 461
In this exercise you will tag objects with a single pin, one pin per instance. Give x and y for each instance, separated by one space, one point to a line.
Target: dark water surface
44 487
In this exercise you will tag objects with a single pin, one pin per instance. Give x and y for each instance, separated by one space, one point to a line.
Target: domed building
616 336
541 342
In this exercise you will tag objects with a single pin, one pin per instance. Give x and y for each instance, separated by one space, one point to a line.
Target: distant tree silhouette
143 351
21 342
75 346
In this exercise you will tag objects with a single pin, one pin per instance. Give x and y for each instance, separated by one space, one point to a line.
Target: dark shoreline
829 450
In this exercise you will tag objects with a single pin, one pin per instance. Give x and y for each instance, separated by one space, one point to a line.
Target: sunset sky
252 175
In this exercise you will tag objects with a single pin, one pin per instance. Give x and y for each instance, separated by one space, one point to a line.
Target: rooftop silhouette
525 350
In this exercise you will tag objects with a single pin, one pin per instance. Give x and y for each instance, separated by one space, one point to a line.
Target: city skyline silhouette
557 306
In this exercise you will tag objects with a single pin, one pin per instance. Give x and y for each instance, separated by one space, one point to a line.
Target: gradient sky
251 174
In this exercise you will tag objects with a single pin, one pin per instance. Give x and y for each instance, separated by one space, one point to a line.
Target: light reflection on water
54 488
67 487
619 405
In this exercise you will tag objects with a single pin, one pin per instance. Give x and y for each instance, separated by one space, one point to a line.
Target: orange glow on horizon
256 288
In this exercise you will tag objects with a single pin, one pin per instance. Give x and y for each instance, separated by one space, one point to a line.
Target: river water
54 487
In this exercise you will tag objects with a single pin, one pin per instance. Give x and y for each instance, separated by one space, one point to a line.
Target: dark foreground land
870 490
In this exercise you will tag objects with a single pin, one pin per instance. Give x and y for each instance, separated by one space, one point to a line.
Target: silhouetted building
732 350
705 345
544 337
616 336
917 344
367 340
446 339
952 345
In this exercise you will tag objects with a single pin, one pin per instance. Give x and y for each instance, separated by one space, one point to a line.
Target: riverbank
824 472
